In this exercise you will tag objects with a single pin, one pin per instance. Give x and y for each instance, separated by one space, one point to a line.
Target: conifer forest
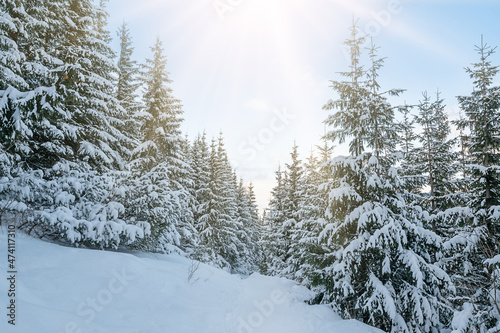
401 233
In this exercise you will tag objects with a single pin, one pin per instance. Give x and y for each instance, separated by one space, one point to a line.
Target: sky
259 71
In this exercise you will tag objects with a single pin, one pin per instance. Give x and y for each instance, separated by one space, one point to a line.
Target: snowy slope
75 290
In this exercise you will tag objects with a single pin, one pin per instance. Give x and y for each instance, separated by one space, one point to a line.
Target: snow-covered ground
68 290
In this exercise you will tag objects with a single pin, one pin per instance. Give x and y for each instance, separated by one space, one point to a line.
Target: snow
493 261
64 289
462 318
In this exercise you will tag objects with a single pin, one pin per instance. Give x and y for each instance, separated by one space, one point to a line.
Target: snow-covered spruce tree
199 190
209 207
68 104
282 225
384 272
411 178
62 126
476 245
25 66
157 194
255 224
252 205
85 84
218 225
247 231
127 82
12 28
293 203
315 216
101 25
189 236
13 22
273 240
352 97
234 246
436 160
306 248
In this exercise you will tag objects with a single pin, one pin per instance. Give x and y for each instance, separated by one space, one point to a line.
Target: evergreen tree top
483 72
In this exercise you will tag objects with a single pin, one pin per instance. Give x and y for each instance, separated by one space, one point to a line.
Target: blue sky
259 70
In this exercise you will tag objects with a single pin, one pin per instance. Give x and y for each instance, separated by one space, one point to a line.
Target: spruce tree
199 188
30 125
127 82
247 231
476 244
255 225
273 239
435 160
308 251
293 202
218 224
161 136
350 107
410 176
62 125
12 28
384 270
159 196
228 219
85 86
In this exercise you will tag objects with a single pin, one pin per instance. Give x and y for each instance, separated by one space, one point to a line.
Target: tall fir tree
255 223
308 251
476 244
412 179
127 83
218 224
436 160
62 125
273 239
159 196
293 203
350 107
247 231
384 270
199 188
